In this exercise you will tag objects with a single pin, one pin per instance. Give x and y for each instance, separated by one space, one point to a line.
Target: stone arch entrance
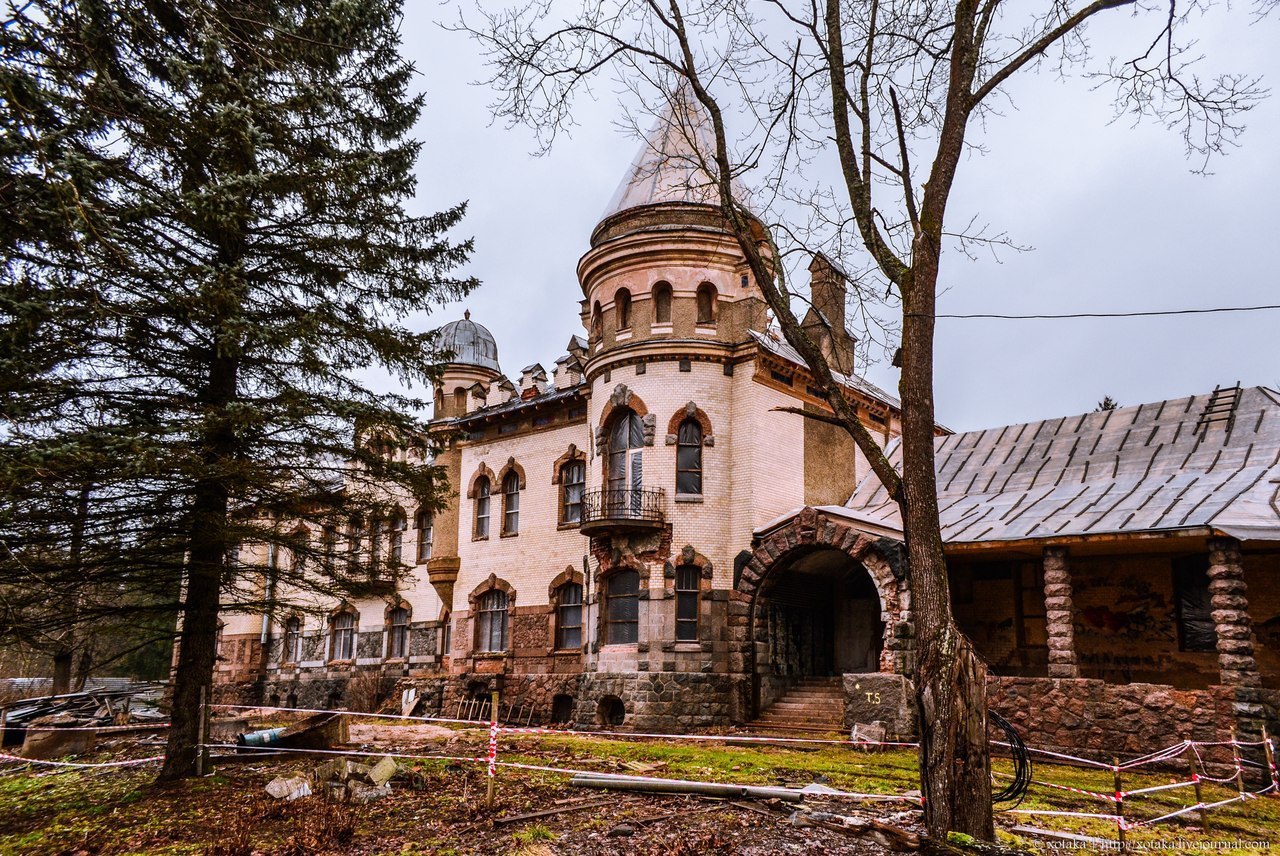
821 597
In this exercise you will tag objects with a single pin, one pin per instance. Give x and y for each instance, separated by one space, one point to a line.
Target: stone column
1236 663
1060 613
1238 670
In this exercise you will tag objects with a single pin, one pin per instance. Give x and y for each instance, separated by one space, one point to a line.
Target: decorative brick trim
482 471
510 466
689 411
493 582
573 453
568 575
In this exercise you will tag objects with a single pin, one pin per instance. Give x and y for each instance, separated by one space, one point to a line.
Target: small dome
471 344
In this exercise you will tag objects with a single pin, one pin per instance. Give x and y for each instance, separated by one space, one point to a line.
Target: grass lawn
435 810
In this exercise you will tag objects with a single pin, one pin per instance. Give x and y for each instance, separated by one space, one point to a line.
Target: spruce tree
246 255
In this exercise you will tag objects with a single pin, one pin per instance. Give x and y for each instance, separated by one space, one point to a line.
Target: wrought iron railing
624 505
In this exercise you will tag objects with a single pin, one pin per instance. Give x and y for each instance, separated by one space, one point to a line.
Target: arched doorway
822 598
822 615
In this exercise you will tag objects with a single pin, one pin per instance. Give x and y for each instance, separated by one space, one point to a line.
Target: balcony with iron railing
623 510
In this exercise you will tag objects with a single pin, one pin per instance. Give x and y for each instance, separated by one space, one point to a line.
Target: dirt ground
436 807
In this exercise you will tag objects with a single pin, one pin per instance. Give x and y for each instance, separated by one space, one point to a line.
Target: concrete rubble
341 779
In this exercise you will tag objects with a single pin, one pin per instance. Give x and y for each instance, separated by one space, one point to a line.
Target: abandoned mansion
650 534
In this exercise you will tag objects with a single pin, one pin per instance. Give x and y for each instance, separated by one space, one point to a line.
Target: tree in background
883 94
232 249
1107 403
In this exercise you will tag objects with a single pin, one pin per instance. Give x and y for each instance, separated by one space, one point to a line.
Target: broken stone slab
362 794
289 789
45 745
383 771
334 768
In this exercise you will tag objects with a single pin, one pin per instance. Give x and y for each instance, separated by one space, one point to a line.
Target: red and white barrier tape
475 723
493 748
81 765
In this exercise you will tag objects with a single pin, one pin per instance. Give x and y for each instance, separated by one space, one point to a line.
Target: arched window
511 503
597 323
662 303
459 401
706 303
626 473
573 480
491 621
687 601
689 458
622 607
357 533
329 546
622 309
292 649
424 524
395 539
398 633
482 507
569 616
342 636
375 546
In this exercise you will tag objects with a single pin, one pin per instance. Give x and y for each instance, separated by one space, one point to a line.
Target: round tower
475 361
669 306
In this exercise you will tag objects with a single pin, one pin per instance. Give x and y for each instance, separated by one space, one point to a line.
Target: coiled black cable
1016 790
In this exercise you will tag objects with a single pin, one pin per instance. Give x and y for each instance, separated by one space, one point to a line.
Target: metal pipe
682 786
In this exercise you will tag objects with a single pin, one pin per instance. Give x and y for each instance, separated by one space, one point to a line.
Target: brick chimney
825 320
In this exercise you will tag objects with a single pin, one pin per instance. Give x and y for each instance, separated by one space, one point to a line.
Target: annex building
638 536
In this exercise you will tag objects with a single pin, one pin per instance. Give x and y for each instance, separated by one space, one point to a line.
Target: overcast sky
1116 218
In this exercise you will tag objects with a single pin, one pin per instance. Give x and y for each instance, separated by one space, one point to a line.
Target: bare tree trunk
950 679
61 672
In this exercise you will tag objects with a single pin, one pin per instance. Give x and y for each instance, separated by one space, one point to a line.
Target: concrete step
825 707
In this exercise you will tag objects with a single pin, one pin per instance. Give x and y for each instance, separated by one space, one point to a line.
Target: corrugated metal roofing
775 344
1150 468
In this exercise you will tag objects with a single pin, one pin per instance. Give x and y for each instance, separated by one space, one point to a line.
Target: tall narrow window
446 634
706 303
375 546
597 324
424 524
569 616
342 641
626 473
329 546
491 621
482 507
622 309
622 607
398 633
662 303
511 503
1196 628
689 458
459 402
395 540
687 594
355 543
292 650
573 480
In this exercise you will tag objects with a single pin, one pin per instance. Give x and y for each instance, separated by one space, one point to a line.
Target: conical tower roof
672 166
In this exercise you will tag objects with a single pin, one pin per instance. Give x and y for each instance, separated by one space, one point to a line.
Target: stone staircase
812 706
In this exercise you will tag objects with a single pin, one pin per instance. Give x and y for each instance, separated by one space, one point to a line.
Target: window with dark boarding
622 607
689 458
491 621
688 601
569 616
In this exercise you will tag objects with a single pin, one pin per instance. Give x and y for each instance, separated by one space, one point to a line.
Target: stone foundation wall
664 701
1125 719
